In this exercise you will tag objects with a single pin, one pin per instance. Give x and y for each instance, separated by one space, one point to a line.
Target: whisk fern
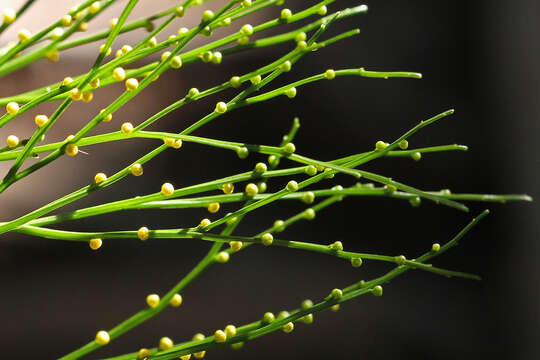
248 191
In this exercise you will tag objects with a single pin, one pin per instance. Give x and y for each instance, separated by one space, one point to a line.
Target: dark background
479 57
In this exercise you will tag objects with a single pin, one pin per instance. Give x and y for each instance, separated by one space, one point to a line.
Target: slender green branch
43 130
144 315
84 191
259 328
25 59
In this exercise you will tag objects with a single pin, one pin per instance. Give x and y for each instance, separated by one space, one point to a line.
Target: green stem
259 328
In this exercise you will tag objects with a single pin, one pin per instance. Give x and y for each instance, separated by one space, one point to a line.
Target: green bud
206 56
330 74
242 152
283 314
307 319
337 246
261 186
207 31
267 239
235 82
403 144
292 186
289 148
306 304
356 262
279 225
247 30
207 15
310 170
222 257
301 36
286 66
290 93
377 290
180 11
256 80
308 197
193 92
288 327
198 337
400 260
302 45
435 247
380 145
415 201
416 156
260 168
446 192
268 317
286 14
336 293
309 214
273 160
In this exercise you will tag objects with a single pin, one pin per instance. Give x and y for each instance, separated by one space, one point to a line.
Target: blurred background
479 57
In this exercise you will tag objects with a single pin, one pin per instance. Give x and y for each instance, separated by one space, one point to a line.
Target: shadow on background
477 57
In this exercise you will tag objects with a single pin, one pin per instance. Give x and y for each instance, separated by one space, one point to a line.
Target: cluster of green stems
307 39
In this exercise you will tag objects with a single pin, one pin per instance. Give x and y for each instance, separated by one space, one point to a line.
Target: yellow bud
53 55
228 188
143 233
102 337
75 94
87 96
24 35
66 20
143 353
167 189
119 74
12 141
165 343
132 84
236 245
94 8
127 128
176 300
100 177
41 120
152 300
220 336
66 81
12 107
9 15
83 26
136 169
95 244
213 207
230 330
205 222
72 149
